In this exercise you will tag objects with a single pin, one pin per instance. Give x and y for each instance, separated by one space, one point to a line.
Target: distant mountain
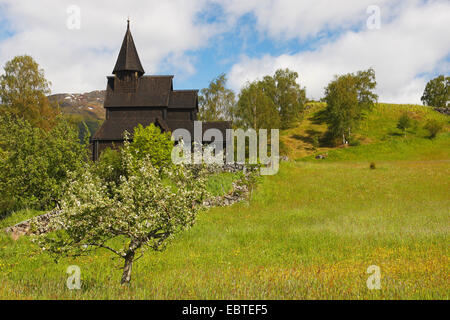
88 105
83 109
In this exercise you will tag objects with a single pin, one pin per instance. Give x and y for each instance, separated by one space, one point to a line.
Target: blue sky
225 50
198 40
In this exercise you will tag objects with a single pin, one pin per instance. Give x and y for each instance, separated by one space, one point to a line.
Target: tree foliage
404 122
109 165
143 210
217 101
437 92
348 97
148 142
434 127
151 142
286 94
24 90
255 109
273 102
35 162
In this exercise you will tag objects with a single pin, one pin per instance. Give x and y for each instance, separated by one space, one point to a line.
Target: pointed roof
128 59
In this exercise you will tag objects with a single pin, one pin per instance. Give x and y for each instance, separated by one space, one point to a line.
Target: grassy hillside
378 127
309 232
394 149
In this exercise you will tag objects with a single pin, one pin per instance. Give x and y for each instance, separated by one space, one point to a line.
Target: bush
404 122
148 143
151 142
109 165
354 142
34 163
283 149
222 183
434 127
315 141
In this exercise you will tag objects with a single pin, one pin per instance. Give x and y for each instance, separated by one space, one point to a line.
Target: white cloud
78 60
412 40
305 18
410 44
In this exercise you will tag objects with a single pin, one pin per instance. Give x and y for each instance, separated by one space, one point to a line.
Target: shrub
222 183
434 127
404 122
152 143
283 149
352 141
315 141
34 163
109 165
148 143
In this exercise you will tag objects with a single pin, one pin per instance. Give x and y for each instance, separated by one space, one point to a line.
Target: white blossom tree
145 209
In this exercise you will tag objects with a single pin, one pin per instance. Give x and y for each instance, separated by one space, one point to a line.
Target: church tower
128 66
133 98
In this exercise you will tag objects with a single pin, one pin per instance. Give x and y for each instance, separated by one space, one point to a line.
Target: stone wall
240 191
445 110
27 227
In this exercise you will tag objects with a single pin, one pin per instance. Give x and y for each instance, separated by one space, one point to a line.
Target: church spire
128 59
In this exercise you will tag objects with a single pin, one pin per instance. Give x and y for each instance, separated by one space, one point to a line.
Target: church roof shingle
150 91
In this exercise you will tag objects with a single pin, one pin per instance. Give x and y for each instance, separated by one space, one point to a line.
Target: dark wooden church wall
180 114
102 145
134 113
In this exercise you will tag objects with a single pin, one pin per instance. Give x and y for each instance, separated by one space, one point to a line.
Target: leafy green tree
24 90
144 210
273 102
348 97
109 165
217 101
151 142
86 125
255 109
404 122
35 163
434 127
286 94
437 92
148 142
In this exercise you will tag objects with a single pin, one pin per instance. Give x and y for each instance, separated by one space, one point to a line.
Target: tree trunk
126 276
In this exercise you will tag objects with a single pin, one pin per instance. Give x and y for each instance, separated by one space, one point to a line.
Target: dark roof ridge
158 76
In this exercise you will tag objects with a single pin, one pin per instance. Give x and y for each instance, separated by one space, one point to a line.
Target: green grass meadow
309 232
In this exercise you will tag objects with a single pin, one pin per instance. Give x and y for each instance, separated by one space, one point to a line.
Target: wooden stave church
133 98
